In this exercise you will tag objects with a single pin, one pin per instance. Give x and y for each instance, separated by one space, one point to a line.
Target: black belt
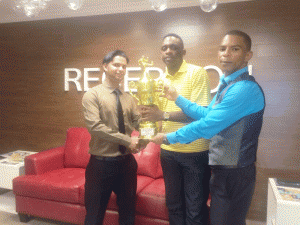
115 158
220 167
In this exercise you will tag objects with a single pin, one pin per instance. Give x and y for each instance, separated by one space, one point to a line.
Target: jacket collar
233 76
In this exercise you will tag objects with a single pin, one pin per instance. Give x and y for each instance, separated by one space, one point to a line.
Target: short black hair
111 55
176 36
242 34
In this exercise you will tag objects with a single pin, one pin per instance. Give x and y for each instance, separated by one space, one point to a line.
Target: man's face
233 54
172 52
115 70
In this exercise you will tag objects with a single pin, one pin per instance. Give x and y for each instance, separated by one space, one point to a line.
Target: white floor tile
8 203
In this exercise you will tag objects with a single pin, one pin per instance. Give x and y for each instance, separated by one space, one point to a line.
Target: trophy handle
159 89
131 86
160 85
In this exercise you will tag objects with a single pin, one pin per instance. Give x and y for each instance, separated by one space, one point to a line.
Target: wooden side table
12 167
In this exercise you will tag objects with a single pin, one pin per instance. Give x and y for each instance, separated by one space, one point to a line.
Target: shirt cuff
126 141
171 138
180 101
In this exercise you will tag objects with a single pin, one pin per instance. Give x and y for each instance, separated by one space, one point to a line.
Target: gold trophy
147 94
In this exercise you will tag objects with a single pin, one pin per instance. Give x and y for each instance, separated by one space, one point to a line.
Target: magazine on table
15 157
289 190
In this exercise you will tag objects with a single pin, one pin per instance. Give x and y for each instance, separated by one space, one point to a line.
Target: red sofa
53 186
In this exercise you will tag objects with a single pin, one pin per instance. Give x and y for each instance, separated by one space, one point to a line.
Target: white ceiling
58 8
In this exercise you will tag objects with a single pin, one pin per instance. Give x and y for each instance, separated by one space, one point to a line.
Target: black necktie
221 88
120 118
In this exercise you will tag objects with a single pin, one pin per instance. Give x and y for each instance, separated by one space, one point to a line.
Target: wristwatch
165 140
166 116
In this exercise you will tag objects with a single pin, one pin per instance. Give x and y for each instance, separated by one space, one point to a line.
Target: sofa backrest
77 147
77 153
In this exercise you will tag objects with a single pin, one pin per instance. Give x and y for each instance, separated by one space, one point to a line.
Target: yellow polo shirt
192 83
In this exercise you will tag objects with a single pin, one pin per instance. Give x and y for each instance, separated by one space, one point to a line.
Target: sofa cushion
58 185
77 147
142 182
148 161
151 201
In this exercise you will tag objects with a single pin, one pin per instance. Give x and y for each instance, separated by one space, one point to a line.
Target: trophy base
147 130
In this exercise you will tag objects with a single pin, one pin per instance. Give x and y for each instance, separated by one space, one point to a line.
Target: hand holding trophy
146 95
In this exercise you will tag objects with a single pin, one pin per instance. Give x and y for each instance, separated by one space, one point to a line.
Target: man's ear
183 52
249 56
105 67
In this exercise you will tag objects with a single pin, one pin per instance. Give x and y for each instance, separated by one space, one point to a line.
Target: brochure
290 194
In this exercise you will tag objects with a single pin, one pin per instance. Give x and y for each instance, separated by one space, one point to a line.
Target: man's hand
170 93
143 143
151 113
134 145
137 144
158 139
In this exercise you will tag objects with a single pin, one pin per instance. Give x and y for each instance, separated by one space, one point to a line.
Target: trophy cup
147 94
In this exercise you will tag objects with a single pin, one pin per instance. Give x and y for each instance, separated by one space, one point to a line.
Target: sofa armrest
45 161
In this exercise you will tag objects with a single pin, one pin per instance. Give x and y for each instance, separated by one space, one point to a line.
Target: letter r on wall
75 80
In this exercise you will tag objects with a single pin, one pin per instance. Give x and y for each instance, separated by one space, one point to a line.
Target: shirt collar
111 89
182 69
233 76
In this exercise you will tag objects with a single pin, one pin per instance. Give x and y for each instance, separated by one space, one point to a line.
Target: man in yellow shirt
185 166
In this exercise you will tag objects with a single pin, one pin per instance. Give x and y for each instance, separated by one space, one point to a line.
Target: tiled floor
13 219
8 214
7 201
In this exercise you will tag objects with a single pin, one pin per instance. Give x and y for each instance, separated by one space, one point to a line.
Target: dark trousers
104 176
231 194
186 178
